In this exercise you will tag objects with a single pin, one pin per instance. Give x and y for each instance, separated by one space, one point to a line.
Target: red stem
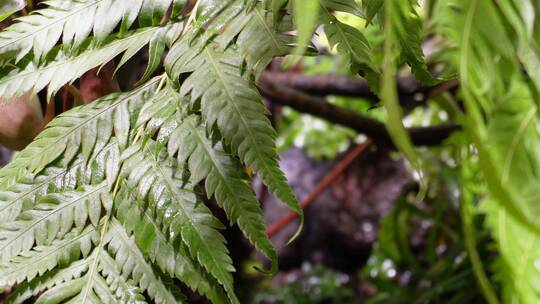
328 180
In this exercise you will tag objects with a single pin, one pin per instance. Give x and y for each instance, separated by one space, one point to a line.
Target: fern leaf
258 49
155 245
224 175
305 13
50 279
124 291
225 179
180 211
232 104
371 8
94 122
127 253
350 42
215 16
45 258
52 218
65 69
401 18
63 175
518 255
74 21
89 288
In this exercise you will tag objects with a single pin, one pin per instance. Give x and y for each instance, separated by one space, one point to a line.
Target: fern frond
88 128
351 42
45 258
88 288
124 290
52 218
518 255
64 69
257 37
406 25
74 21
154 244
134 265
49 280
179 211
226 179
305 15
215 16
233 104
186 139
64 175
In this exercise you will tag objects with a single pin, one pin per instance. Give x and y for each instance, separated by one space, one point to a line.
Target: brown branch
410 92
284 95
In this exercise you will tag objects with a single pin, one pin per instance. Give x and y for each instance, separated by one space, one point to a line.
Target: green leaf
51 219
179 211
351 43
517 265
371 8
305 13
63 175
63 69
70 274
9 7
94 122
388 94
225 178
74 21
347 6
47 257
154 244
233 104
257 49
134 265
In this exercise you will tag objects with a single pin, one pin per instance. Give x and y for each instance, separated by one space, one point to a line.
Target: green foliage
316 284
107 204
65 231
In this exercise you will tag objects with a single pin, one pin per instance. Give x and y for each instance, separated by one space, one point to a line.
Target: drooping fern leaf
231 102
225 179
187 140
